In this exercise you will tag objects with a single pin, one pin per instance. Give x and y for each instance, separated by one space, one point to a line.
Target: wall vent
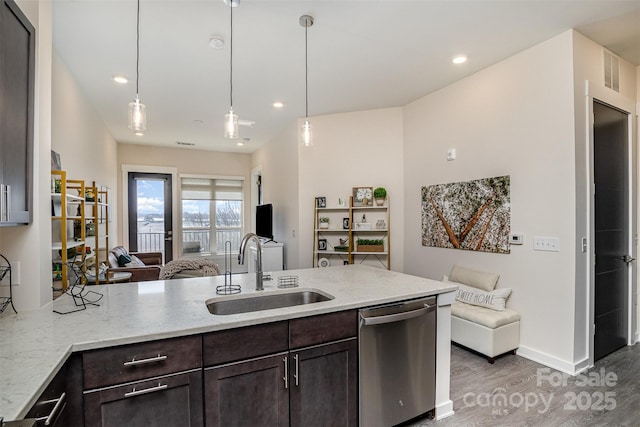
611 71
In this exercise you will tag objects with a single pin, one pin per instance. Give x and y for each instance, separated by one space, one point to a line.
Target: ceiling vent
611 71
188 144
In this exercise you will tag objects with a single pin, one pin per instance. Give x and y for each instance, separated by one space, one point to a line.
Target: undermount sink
267 301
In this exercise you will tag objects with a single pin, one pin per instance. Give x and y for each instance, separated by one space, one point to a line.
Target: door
612 234
17 65
252 393
151 213
323 385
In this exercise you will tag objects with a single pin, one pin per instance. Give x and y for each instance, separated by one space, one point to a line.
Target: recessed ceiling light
139 134
242 142
118 78
278 104
461 59
216 42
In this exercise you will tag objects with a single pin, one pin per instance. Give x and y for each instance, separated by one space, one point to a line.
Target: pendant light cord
138 51
306 72
231 57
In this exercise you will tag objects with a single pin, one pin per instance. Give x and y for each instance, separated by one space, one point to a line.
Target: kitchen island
35 345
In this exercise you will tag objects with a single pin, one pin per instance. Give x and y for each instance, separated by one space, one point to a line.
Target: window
212 214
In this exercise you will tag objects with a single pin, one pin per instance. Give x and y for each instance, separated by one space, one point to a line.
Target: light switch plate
550 244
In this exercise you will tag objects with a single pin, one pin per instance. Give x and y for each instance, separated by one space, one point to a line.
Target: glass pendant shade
306 133
137 116
231 125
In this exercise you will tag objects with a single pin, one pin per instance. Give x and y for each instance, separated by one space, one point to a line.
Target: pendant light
231 118
306 135
137 110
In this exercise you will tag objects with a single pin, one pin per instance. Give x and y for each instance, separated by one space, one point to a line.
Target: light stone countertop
34 345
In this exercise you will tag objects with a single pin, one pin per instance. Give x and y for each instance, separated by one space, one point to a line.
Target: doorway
150 209
612 228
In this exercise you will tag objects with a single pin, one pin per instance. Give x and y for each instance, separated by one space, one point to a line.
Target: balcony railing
151 242
197 240
193 241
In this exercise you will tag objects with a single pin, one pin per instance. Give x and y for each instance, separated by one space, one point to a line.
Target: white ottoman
486 331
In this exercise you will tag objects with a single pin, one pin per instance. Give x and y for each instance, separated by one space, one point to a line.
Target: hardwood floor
518 392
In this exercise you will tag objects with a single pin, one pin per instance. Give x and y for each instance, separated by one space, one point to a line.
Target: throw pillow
495 300
478 279
123 260
135 262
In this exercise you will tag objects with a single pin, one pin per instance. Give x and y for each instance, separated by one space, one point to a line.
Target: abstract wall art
472 215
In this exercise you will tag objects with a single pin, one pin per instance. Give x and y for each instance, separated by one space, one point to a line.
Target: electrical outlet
293 233
550 244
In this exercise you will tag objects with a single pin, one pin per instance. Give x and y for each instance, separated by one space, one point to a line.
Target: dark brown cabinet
314 383
158 383
60 404
17 82
324 385
251 393
168 401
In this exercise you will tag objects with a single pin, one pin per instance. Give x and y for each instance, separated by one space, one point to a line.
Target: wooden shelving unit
350 233
67 210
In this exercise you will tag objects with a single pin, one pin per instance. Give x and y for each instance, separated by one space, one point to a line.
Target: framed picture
321 202
362 196
322 244
345 223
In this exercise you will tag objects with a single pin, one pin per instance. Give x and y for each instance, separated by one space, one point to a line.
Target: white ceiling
363 54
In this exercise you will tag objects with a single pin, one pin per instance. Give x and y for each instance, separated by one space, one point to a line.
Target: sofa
143 266
480 320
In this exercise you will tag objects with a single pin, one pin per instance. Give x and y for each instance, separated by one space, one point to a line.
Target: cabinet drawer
137 361
168 401
324 328
245 343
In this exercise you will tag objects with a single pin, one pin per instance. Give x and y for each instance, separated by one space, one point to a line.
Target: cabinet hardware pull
59 403
295 357
135 392
8 203
286 372
2 203
135 362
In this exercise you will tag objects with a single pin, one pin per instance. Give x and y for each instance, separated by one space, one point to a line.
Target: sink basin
266 301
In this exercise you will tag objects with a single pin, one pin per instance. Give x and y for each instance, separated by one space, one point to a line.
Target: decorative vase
324 225
380 202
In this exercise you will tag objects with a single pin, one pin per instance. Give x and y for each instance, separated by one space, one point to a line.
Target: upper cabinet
17 77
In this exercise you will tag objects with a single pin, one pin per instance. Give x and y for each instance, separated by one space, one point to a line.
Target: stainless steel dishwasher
397 362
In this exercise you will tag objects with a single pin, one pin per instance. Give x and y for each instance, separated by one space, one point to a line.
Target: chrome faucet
243 247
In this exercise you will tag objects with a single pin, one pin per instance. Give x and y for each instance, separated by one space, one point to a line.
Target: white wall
352 150
87 150
278 161
514 118
30 244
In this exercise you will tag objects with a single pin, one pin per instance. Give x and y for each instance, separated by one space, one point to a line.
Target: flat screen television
264 221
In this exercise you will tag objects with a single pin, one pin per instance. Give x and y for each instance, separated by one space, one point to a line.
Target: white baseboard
444 410
552 361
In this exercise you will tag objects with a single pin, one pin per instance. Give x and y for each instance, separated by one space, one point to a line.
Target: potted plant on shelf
380 194
324 222
370 245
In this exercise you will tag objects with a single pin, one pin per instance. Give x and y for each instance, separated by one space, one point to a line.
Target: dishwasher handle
397 317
